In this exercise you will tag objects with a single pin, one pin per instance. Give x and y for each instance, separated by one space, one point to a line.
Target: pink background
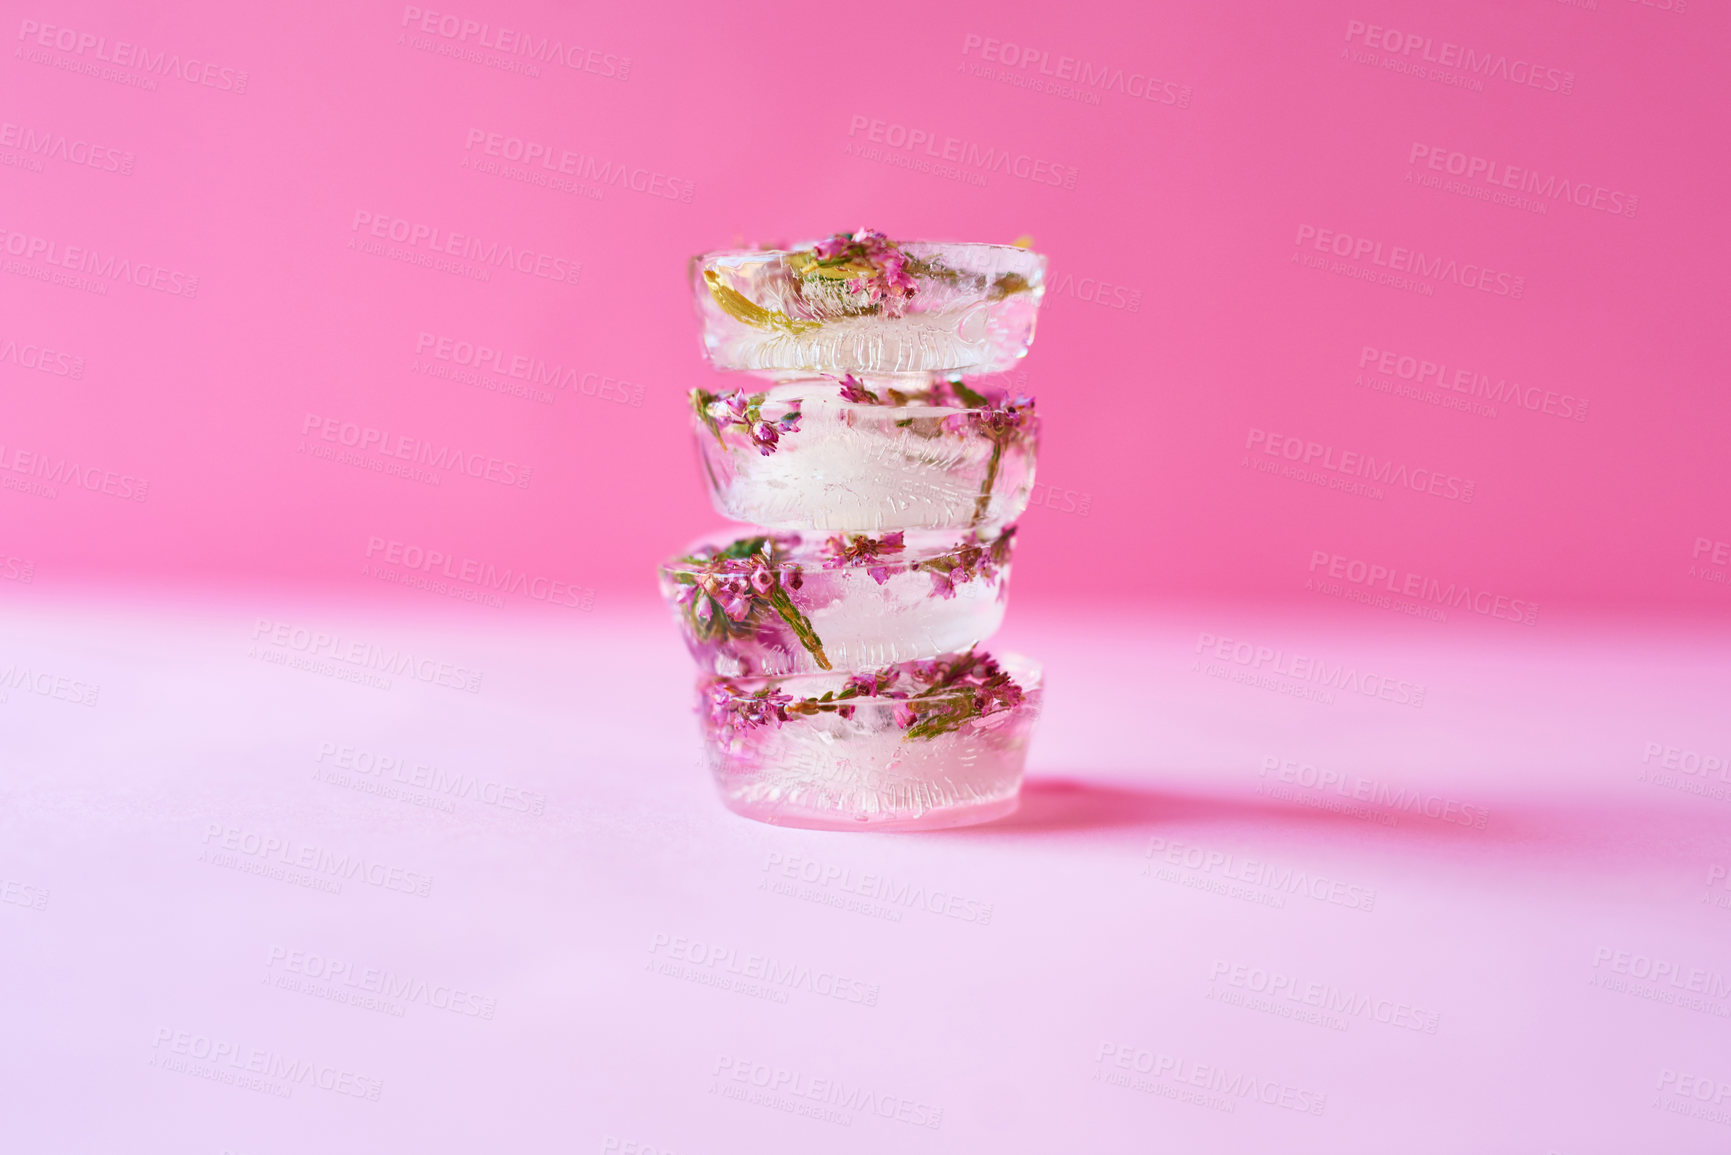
1559 972
1188 211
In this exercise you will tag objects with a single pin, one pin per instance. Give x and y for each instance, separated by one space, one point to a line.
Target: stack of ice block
841 686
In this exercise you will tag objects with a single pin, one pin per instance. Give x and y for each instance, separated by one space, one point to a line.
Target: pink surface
1394 330
1181 165
1226 919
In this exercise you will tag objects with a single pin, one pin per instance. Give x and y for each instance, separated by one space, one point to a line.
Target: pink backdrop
1376 333
235 237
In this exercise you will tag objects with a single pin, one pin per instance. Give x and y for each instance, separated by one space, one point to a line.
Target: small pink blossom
854 390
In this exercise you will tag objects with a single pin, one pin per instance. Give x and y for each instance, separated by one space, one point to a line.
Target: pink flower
764 435
732 709
737 410
863 684
889 283
860 549
854 390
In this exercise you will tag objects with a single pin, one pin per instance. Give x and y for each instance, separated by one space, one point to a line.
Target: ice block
860 303
869 454
783 603
919 745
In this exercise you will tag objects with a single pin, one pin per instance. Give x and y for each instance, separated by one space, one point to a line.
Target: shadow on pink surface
1604 834
1071 804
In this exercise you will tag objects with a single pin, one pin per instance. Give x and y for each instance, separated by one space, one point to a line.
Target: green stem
800 625
742 308
985 498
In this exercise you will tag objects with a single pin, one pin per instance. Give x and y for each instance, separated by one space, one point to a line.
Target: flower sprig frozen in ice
931 697
847 275
854 390
742 411
951 393
1003 424
976 559
861 549
730 709
1002 419
728 592
868 265
954 691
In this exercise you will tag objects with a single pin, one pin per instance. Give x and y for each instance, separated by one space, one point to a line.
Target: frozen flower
732 591
732 709
859 549
764 435
853 389
737 410
871 265
975 559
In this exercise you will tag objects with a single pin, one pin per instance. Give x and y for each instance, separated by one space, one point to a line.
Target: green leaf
799 624
984 500
969 398
742 308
